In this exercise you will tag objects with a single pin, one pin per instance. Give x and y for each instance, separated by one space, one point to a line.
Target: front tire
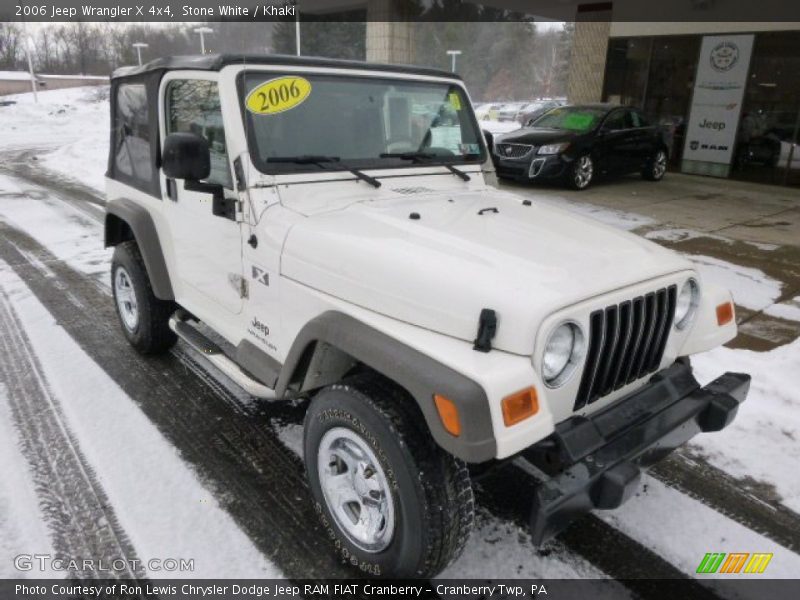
581 172
656 167
143 317
393 503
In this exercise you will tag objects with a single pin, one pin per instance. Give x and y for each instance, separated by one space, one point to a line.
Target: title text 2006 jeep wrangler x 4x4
330 222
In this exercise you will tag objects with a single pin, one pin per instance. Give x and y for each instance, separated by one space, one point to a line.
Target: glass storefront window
657 74
766 141
670 81
627 66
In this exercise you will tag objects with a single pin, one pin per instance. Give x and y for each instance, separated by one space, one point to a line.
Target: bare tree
10 40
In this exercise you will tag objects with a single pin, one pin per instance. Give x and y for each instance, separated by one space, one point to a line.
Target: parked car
533 110
508 112
353 260
575 144
488 111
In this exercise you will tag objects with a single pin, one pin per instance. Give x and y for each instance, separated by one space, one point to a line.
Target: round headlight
562 353
686 305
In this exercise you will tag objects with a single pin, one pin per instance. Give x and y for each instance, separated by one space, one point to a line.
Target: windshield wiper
320 161
426 156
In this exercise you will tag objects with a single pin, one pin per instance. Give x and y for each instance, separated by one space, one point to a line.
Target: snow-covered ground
160 503
69 125
69 129
22 525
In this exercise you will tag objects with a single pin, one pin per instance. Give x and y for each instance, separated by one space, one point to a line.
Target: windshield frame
275 168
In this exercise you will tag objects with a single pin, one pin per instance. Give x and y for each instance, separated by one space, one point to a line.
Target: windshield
571 118
355 122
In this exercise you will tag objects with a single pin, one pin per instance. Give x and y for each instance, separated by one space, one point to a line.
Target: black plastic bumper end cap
616 486
719 413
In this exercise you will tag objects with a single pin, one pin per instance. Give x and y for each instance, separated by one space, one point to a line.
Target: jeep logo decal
262 328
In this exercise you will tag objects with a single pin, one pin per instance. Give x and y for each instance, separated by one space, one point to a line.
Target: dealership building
726 92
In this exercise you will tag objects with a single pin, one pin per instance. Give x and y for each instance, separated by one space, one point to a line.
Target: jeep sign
717 100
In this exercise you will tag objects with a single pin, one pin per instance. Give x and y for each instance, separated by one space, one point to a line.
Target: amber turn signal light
724 313
519 406
448 413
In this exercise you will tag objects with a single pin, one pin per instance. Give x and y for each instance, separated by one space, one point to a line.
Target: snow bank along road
135 459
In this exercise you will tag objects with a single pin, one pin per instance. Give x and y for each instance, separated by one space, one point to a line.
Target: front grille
512 150
626 342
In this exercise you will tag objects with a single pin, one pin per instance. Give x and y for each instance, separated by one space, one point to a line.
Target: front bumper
595 461
534 166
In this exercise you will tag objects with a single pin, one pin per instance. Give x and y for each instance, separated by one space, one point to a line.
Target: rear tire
143 317
370 434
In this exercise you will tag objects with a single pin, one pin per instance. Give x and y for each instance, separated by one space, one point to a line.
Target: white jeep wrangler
330 222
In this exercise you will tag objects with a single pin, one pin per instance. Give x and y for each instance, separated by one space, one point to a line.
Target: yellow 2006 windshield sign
278 95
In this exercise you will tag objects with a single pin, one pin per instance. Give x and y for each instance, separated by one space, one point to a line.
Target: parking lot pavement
745 236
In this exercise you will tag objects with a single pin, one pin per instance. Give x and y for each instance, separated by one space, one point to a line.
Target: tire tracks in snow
729 496
74 504
238 457
507 491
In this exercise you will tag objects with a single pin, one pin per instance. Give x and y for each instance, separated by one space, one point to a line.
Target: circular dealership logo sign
724 56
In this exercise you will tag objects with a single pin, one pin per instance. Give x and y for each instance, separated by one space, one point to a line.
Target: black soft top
215 62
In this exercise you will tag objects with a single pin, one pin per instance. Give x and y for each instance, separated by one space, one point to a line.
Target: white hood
440 270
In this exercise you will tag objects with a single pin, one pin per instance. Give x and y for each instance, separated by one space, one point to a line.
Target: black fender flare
126 220
420 375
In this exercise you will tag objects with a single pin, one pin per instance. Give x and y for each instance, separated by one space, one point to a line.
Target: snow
291 436
15 76
70 235
502 550
22 525
25 76
616 218
682 530
158 499
750 287
679 234
69 126
763 442
789 309
495 127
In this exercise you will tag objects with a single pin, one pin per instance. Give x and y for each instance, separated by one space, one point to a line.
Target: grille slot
626 342
512 150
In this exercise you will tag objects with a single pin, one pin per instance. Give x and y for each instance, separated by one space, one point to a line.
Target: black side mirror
489 139
186 156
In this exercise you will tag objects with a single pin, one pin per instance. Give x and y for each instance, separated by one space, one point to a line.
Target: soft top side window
193 106
132 154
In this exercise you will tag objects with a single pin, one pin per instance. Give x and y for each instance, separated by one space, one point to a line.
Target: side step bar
214 354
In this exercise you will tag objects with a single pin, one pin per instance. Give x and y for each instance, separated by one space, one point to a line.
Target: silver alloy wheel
356 489
660 165
583 171
126 299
